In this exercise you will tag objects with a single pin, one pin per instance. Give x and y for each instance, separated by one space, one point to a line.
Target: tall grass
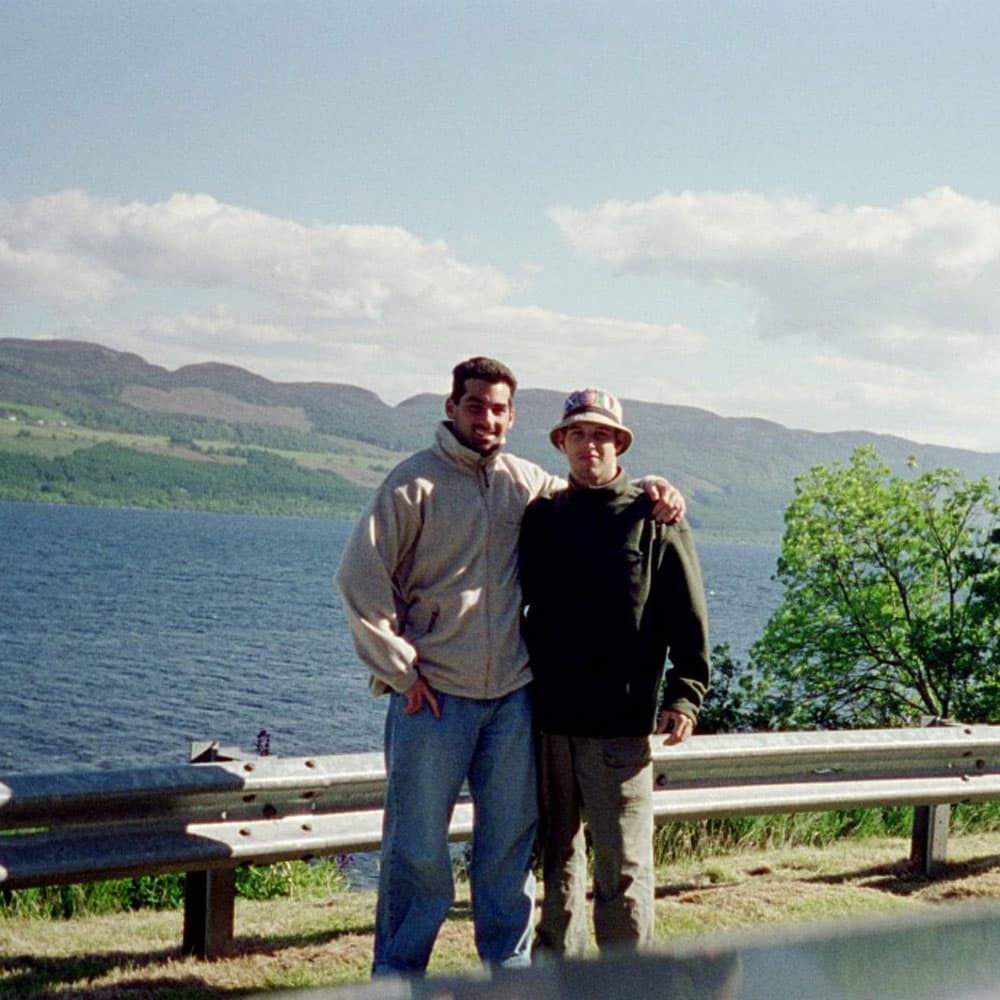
703 838
325 876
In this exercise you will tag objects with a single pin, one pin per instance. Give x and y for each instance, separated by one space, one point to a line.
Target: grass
313 940
48 434
358 463
56 438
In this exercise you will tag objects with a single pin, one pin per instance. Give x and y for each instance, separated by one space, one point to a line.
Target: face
592 452
483 415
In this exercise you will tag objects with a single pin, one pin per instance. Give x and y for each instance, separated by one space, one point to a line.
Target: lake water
127 634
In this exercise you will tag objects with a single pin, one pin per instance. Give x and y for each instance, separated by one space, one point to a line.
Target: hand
676 725
419 694
668 503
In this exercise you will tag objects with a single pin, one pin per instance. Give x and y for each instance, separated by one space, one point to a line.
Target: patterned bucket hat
594 406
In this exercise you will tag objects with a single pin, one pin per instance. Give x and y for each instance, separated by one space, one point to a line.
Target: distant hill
737 473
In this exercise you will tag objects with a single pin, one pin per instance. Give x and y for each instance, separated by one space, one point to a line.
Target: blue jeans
489 742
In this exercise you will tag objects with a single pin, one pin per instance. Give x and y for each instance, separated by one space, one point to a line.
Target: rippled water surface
126 634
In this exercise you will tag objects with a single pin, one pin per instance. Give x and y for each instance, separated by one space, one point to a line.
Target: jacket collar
452 450
617 487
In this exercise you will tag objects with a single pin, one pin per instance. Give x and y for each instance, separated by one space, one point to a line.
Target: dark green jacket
608 594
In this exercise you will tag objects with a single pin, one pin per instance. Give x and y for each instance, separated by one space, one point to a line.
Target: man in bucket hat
608 594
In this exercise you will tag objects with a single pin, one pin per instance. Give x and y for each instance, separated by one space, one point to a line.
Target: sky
764 209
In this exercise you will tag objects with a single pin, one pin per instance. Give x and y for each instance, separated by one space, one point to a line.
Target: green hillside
80 423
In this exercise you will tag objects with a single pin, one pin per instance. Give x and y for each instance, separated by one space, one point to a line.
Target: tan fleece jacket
429 575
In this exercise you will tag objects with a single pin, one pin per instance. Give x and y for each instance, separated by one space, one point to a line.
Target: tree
891 603
736 701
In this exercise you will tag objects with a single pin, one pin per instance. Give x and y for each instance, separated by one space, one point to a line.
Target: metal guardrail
759 773
208 818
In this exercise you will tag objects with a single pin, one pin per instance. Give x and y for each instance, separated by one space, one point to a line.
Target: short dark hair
485 369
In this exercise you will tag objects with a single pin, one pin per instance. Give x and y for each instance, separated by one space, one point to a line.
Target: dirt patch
213 405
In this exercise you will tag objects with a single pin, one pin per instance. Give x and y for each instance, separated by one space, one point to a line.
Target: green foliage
892 599
292 878
674 842
702 838
737 701
110 475
159 892
975 817
324 877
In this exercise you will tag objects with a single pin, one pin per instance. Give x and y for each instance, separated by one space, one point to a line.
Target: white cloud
191 279
334 272
912 283
835 392
52 277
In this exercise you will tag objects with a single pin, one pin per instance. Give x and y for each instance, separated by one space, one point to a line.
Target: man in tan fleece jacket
430 587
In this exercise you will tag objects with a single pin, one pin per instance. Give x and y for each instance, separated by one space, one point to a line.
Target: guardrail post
929 841
209 896
929 844
209 907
